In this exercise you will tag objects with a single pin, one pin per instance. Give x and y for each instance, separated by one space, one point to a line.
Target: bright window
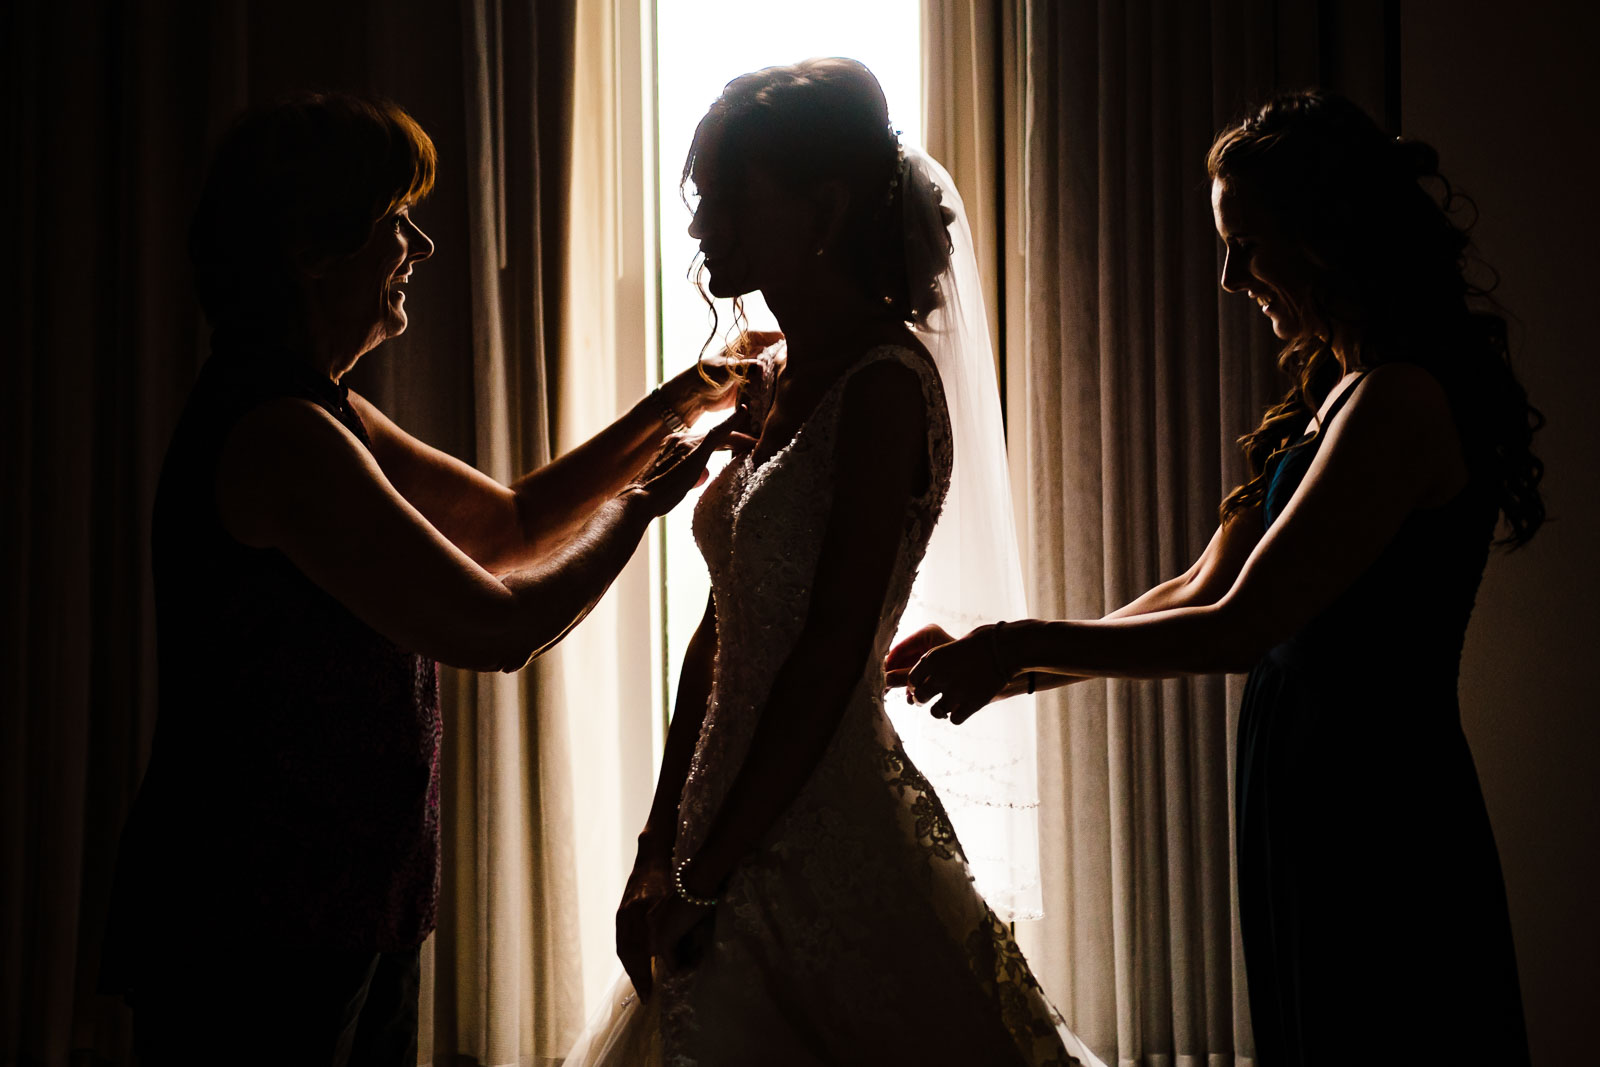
700 46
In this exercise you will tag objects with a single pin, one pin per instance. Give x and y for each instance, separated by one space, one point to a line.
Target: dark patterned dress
1370 895
292 795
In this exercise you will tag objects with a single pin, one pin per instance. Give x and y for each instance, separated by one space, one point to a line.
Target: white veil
985 771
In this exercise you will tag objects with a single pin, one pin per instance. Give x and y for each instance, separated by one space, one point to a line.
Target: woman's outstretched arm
1394 450
503 528
291 478
1205 582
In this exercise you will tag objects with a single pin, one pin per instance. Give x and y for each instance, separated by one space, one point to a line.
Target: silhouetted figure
1371 900
312 561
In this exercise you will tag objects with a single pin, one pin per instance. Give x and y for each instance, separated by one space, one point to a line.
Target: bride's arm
651 880
880 457
688 711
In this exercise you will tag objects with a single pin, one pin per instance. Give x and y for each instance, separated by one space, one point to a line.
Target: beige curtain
1128 375
501 984
612 663
116 108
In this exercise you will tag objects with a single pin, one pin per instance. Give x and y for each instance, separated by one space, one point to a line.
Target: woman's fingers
739 443
670 919
633 947
903 655
957 677
922 683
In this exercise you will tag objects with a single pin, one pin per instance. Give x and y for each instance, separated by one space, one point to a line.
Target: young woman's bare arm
1205 582
1393 451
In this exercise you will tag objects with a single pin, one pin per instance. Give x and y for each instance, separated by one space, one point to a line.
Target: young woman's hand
692 396
960 677
903 656
649 885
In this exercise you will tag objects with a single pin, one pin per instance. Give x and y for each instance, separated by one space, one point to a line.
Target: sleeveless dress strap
1338 404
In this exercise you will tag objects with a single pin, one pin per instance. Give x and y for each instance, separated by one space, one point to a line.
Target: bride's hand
691 395
648 885
903 656
960 677
671 920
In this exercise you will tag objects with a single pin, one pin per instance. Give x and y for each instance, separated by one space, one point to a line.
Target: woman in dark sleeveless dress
1373 910
312 562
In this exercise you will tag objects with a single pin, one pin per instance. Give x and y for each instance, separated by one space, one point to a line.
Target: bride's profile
799 895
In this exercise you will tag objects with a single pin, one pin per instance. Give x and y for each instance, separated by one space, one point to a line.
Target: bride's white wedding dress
854 933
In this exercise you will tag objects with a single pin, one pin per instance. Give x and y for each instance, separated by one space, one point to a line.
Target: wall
1499 89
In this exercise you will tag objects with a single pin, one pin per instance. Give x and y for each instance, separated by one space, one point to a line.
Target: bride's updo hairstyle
1371 215
825 120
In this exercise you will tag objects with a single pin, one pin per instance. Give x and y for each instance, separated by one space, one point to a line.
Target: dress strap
1322 423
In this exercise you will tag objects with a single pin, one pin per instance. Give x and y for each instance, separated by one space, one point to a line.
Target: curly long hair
817 121
1371 215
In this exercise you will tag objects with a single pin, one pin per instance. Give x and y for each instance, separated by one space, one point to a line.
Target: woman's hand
680 465
671 919
649 885
902 657
963 675
692 396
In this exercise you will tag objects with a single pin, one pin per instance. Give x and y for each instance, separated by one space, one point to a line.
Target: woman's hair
1388 268
295 183
818 121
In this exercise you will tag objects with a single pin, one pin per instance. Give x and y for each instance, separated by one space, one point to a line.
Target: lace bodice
760 528
855 920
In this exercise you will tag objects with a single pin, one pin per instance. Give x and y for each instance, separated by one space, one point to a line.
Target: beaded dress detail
853 933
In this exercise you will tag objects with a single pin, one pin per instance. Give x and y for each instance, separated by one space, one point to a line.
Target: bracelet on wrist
670 416
994 653
684 894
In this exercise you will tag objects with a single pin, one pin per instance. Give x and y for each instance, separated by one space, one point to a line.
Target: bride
799 896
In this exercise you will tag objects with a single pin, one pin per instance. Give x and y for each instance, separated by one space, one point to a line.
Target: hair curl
293 183
817 121
1389 272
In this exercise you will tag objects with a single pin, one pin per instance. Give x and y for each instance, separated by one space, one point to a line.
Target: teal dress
1370 896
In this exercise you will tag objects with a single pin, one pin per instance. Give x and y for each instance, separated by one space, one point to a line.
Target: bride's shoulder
892 384
906 349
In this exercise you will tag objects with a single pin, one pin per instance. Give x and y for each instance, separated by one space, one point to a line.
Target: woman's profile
313 562
799 895
1342 578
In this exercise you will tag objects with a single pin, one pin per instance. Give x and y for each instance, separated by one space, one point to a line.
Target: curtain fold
1128 375
503 969
115 110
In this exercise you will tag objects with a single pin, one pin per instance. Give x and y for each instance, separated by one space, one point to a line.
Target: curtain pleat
1128 376
115 109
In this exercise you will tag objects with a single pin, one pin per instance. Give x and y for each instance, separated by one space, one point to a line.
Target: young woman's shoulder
1404 398
1399 416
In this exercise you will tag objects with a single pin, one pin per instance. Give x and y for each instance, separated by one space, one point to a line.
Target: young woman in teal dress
1371 901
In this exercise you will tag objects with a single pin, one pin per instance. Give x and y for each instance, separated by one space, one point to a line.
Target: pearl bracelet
684 894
